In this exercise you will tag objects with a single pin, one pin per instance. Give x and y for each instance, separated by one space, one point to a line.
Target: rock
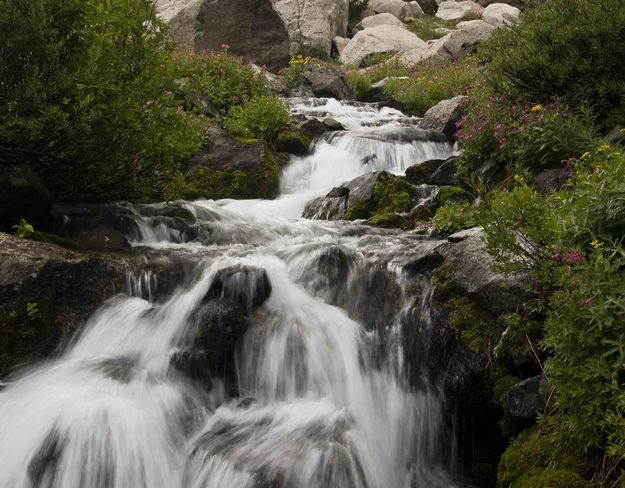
616 135
313 24
501 14
338 192
550 179
339 43
325 82
228 167
530 397
332 124
376 92
22 195
451 47
376 20
466 234
421 173
429 7
245 286
469 272
47 292
443 116
445 174
520 4
380 39
293 141
464 10
314 127
404 11
326 208
252 29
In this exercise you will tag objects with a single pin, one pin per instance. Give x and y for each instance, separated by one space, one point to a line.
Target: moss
390 220
392 195
539 457
425 27
292 141
263 182
53 239
27 334
453 194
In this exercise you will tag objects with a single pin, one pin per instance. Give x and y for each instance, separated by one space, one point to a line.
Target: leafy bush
502 135
361 80
225 79
425 27
87 98
297 65
572 240
430 83
565 48
262 117
454 217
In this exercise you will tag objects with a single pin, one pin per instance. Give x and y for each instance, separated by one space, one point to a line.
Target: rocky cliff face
266 31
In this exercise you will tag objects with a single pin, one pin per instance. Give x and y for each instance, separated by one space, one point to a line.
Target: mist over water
320 397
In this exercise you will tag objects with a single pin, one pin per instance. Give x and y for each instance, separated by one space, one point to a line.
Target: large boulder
47 292
501 14
267 32
464 10
404 11
228 167
469 272
429 7
245 286
443 116
453 46
530 397
421 173
380 39
378 19
323 81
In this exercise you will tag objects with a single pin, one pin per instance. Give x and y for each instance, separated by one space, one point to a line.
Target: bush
565 48
225 79
425 27
261 117
499 136
361 80
87 98
454 217
430 83
572 240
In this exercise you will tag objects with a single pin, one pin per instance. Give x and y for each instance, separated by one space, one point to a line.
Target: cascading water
316 395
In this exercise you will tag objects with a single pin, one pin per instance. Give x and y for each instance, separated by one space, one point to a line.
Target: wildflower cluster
297 65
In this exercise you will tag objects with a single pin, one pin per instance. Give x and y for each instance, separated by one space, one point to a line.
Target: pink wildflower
587 302
225 46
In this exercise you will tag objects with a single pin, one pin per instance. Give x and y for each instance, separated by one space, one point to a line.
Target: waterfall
310 392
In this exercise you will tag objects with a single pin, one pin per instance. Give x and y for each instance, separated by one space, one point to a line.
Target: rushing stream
316 394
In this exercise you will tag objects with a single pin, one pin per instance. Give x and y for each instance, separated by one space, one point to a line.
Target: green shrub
87 98
572 240
361 80
356 8
454 217
224 78
564 48
499 136
262 117
432 82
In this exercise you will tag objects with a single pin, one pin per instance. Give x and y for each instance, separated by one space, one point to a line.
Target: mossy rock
387 220
293 141
421 173
540 455
179 213
454 195
260 182
53 239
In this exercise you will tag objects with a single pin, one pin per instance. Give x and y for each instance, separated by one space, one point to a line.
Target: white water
112 413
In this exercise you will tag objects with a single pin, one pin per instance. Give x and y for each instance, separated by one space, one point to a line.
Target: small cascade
279 363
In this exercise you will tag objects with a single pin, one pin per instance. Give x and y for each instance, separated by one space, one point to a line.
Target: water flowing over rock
267 32
267 350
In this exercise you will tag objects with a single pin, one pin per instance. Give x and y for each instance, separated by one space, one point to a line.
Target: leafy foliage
87 97
262 117
565 48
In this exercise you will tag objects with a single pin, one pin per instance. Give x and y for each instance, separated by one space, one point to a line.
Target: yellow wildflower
585 156
537 108
519 179
603 148
597 244
623 131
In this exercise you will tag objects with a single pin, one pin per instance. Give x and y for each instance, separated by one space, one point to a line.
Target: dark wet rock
246 286
443 116
445 174
22 195
43 465
530 397
323 81
428 257
326 208
120 369
332 124
421 173
338 192
550 179
293 141
429 7
47 292
195 364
